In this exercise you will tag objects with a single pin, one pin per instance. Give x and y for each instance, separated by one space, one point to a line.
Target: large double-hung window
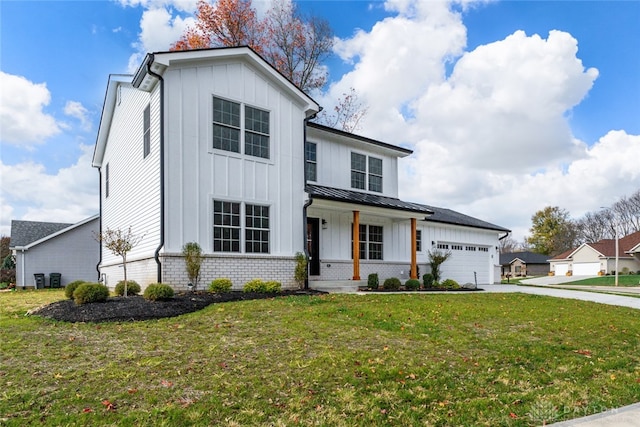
231 132
229 229
366 172
371 244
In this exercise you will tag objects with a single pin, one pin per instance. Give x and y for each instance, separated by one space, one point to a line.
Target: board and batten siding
196 174
334 162
134 180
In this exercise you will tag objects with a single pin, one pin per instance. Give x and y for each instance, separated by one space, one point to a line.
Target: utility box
39 280
55 280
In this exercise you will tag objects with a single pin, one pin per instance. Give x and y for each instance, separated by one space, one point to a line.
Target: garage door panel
561 269
586 268
463 263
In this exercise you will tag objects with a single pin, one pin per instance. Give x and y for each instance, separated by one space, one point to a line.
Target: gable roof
33 233
527 257
25 232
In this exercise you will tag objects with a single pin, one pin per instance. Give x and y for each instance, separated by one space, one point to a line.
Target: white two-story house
214 146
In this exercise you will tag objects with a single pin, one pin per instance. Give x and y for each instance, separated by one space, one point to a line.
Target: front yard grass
623 280
339 360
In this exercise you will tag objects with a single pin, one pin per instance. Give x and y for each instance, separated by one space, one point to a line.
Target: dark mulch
132 308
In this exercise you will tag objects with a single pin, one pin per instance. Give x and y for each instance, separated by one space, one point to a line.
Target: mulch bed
133 308
421 290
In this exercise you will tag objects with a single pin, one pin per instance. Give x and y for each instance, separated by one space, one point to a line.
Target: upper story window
227 128
363 172
106 180
310 157
146 130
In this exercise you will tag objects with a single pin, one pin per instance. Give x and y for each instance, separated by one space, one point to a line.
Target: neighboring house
599 257
214 146
70 250
522 264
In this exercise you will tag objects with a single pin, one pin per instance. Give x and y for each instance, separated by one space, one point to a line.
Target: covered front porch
352 234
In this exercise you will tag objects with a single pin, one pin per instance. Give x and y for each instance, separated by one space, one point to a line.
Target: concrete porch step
337 286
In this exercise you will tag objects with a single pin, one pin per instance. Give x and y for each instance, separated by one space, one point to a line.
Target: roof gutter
156 255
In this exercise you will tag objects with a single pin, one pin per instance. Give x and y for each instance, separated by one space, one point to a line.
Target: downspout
161 244
24 284
307 204
100 226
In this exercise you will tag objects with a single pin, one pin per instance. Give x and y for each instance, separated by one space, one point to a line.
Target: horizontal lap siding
134 194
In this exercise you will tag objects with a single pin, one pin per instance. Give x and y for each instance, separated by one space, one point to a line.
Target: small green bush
70 288
259 285
158 292
90 292
412 284
132 288
427 280
220 285
372 281
4 285
392 284
450 284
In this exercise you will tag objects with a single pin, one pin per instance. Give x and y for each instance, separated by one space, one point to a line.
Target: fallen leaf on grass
87 410
585 353
166 383
108 405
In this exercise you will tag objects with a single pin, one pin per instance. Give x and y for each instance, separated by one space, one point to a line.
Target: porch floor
337 286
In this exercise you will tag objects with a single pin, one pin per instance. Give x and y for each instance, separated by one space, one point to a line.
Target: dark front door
313 245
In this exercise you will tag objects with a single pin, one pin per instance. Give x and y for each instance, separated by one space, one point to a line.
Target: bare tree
347 113
594 226
120 243
508 245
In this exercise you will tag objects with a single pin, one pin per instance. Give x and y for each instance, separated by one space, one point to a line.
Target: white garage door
586 268
464 261
562 269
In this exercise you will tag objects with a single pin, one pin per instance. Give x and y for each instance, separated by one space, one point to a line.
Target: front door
313 245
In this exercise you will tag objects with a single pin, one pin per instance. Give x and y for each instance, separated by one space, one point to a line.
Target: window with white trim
257 229
418 240
228 130
229 230
366 172
371 242
311 163
146 131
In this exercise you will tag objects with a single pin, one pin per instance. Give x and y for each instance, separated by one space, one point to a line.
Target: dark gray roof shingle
526 256
25 232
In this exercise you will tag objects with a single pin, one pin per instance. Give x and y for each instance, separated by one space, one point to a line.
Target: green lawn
623 280
334 360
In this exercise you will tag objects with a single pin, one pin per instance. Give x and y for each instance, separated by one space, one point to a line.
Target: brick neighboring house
522 264
590 259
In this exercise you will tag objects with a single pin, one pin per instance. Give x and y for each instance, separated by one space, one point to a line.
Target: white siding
334 162
134 189
196 174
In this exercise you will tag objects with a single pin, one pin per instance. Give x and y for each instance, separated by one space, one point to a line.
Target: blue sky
549 125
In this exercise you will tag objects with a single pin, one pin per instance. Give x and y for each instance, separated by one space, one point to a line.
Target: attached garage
586 268
464 261
561 269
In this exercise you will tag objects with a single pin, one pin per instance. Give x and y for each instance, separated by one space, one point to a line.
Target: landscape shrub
372 281
70 288
427 280
259 285
8 275
220 285
412 284
132 288
392 284
158 292
90 292
450 284
4 285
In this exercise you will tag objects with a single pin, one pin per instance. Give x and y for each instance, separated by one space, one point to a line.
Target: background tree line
553 231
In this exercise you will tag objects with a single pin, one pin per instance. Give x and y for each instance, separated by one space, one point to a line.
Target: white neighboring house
70 250
208 146
590 259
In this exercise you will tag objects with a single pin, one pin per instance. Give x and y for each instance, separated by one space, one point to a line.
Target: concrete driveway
553 280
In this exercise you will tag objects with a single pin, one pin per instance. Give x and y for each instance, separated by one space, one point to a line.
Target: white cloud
33 194
159 30
76 110
22 117
492 139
